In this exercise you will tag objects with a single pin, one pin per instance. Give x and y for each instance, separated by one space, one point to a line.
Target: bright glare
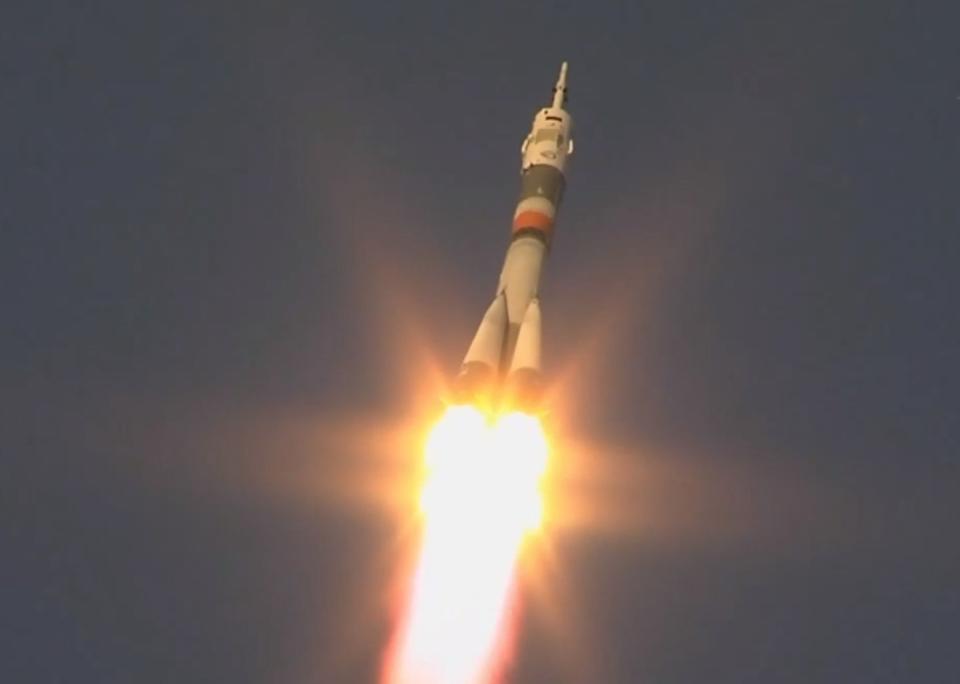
480 498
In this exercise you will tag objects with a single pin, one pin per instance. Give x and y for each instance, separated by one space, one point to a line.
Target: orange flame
481 498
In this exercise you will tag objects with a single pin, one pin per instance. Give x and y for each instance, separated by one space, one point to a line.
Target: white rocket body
506 350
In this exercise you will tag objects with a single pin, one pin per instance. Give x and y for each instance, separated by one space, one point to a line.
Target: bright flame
480 498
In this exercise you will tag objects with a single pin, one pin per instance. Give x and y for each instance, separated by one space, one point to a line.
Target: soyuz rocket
502 364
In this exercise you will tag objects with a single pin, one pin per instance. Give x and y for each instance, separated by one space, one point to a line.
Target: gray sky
241 243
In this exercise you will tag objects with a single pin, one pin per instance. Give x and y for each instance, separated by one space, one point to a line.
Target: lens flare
480 499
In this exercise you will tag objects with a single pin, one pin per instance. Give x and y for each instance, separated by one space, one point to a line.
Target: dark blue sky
235 237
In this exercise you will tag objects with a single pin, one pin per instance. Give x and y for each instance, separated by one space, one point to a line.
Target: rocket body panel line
487 344
519 284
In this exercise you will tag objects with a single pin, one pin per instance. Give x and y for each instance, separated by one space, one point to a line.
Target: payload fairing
503 361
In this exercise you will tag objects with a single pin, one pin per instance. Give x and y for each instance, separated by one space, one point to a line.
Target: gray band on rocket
541 180
541 189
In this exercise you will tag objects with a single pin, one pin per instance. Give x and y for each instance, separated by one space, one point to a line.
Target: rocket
503 362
